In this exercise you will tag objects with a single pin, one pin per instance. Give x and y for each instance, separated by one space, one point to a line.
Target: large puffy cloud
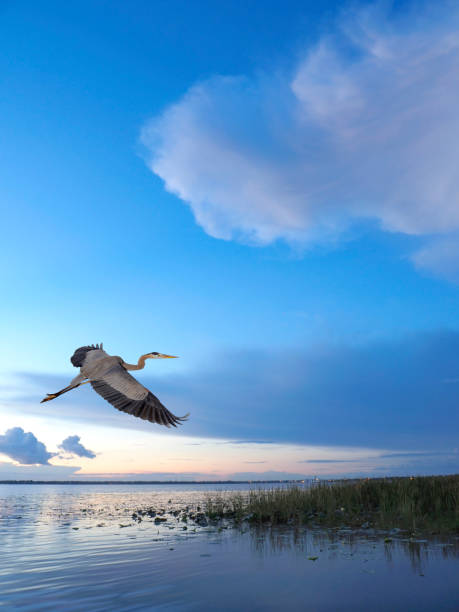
365 126
24 447
73 446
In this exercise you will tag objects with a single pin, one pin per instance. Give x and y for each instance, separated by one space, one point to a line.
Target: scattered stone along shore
185 516
402 507
190 519
412 507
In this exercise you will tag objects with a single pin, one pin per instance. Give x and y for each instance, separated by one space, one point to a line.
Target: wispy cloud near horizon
364 127
382 394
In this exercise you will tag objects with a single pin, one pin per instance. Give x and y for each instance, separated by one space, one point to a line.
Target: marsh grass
415 503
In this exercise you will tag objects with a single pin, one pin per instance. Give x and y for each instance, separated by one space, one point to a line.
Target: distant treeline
146 482
307 481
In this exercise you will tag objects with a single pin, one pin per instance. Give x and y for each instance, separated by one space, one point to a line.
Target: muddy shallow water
66 547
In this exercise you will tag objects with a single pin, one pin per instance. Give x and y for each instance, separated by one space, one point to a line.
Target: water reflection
85 549
335 543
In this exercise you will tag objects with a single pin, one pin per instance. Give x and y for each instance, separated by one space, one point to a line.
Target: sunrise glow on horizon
270 195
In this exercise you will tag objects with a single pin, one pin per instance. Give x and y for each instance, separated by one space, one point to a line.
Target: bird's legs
76 382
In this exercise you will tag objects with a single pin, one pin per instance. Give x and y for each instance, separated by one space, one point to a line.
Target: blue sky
268 190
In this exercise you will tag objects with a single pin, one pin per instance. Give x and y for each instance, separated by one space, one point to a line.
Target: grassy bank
428 503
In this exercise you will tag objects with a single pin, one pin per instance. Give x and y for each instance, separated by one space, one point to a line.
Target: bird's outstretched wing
125 393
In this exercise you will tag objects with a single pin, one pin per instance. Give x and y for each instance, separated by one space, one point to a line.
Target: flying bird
108 375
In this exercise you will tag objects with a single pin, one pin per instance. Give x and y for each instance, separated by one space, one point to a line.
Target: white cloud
73 446
365 127
24 447
440 257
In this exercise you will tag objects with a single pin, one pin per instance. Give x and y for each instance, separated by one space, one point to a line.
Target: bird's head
160 356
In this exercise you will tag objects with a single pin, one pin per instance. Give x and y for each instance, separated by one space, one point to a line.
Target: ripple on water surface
78 548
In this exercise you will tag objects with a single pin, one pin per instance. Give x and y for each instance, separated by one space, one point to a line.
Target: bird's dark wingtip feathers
148 409
178 420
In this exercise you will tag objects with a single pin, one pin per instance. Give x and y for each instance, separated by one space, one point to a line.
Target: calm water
77 548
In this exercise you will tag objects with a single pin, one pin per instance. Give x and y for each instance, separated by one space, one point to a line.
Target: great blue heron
108 376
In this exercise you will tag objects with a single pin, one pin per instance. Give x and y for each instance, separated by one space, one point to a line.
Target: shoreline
413 505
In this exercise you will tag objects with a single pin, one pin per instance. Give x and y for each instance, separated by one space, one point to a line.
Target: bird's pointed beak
163 356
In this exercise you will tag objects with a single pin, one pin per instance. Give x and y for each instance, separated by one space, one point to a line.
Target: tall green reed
429 502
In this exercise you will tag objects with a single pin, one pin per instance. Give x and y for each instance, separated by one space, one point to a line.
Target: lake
77 547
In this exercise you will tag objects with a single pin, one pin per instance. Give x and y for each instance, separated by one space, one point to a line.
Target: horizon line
197 482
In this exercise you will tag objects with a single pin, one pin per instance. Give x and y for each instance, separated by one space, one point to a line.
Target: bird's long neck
140 364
